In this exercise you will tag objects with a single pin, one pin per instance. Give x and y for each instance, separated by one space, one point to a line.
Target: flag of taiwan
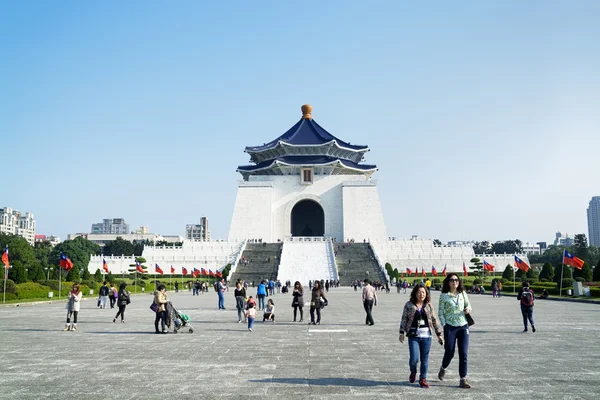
104 265
139 268
433 271
5 257
158 269
521 264
570 259
465 270
408 271
444 270
65 262
172 270
487 266
184 271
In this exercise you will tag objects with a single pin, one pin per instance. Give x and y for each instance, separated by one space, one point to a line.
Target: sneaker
532 328
423 383
114 320
66 328
464 384
122 321
250 329
441 374
239 321
525 330
74 328
412 377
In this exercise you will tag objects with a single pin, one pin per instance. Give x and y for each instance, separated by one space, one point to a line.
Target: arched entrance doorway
308 219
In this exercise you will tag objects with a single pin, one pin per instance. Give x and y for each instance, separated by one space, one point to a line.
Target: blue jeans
250 322
453 334
527 315
261 301
221 300
419 348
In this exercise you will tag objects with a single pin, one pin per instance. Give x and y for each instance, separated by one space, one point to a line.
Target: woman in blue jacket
261 293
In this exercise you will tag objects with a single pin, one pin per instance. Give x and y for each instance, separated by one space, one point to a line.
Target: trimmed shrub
568 283
580 279
477 281
595 291
32 290
10 286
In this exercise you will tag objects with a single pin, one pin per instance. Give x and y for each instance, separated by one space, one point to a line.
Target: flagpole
59 280
135 281
562 268
5 278
514 280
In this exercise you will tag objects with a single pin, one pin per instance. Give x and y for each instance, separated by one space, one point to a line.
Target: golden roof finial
306 111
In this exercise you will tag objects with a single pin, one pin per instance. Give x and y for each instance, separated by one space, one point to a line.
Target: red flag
423 274
172 270
158 269
65 262
5 257
105 265
521 264
184 271
487 266
219 274
417 271
465 270
444 271
570 259
211 274
195 272
433 271
139 268
408 271
203 271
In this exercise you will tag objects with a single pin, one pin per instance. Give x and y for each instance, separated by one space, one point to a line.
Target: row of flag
486 267
195 272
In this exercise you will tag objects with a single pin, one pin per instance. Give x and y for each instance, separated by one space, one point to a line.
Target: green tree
580 246
566 273
477 266
508 272
482 247
119 247
585 272
73 274
508 247
17 273
36 273
78 251
532 275
19 250
522 275
547 272
98 275
85 275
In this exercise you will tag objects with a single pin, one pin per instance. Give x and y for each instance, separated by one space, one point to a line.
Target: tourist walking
123 300
453 306
113 293
418 319
261 293
526 298
317 301
369 299
221 288
240 300
160 299
73 306
103 292
298 300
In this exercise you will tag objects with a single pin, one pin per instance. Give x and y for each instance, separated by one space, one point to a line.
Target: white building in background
116 225
531 248
102 239
54 240
593 215
14 222
198 231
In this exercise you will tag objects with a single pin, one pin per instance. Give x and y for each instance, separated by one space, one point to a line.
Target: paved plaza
340 359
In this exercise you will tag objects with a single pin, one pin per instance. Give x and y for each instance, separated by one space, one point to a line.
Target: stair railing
238 257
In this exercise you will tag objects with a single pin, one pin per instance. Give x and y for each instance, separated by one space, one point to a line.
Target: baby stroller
181 320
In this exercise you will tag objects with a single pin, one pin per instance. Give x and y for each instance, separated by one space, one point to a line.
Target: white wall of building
264 205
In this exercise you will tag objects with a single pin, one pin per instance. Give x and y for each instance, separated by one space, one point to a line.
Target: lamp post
48 269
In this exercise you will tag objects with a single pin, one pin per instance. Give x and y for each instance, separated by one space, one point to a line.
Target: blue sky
481 116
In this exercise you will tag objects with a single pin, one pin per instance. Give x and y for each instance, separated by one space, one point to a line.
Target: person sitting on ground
269 314
544 294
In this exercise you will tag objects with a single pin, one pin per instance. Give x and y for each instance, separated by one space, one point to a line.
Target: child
250 314
269 314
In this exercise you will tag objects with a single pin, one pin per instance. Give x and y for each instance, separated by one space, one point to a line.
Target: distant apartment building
13 221
111 226
530 248
198 231
563 239
102 238
54 240
593 214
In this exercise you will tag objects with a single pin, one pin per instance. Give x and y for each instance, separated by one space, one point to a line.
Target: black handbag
412 332
470 320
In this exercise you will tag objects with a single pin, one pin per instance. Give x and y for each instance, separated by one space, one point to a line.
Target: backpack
527 297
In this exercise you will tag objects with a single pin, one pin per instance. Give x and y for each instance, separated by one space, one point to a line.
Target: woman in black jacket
298 301
122 301
317 301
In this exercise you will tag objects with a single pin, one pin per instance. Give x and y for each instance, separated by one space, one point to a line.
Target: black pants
312 314
162 317
368 304
121 312
296 308
112 301
74 313
267 315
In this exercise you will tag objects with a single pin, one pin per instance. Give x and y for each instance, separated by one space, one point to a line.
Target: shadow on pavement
331 382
